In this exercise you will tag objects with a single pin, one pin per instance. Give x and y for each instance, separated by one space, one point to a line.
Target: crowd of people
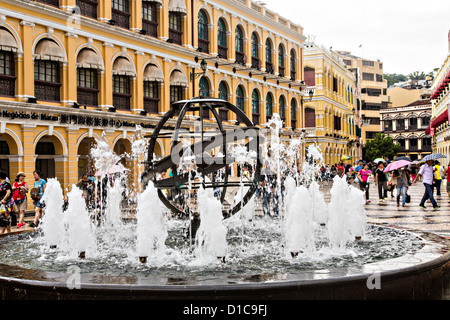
364 174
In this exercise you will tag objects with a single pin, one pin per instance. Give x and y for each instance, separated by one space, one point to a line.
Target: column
26 79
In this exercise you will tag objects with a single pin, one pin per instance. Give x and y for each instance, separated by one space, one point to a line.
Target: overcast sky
406 35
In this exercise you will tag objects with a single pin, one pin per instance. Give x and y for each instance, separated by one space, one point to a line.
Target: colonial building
374 95
440 99
73 70
406 125
330 114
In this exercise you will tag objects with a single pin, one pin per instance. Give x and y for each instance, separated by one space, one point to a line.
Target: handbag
35 194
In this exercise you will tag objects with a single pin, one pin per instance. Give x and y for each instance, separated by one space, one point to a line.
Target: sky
406 35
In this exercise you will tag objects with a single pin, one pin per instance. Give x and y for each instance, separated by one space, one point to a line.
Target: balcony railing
241 58
176 36
269 67
293 124
256 63
88 8
7 85
121 18
293 75
47 91
223 52
151 105
54 3
150 27
87 96
281 71
203 45
255 118
122 101
223 114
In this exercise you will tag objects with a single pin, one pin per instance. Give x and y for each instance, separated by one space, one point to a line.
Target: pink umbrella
396 165
113 169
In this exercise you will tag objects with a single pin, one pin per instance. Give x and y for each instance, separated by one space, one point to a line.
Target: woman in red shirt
363 176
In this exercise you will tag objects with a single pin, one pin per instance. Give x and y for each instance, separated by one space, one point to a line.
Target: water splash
52 223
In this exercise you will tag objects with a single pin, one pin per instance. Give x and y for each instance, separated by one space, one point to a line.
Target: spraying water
151 228
52 223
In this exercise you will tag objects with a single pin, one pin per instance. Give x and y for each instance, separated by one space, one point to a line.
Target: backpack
35 194
17 194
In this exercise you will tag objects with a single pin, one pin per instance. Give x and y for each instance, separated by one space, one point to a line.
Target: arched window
223 91
239 43
282 108
269 107
222 39
8 46
281 60
269 64
88 64
203 87
240 98
123 71
153 76
255 51
47 83
255 106
293 61
203 37
293 114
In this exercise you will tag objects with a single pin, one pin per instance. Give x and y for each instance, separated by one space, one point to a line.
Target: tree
395 78
381 147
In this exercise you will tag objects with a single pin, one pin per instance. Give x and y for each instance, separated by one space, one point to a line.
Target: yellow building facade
330 114
72 71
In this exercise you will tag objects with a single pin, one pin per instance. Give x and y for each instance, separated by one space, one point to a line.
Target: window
281 60
240 98
269 106
367 76
310 77
255 106
368 63
121 13
175 27
88 8
239 43
335 84
203 39
7 74
203 87
150 18
282 108
425 121
293 63
387 125
310 118
222 39
348 62
46 80
122 92
400 124
255 52
87 87
223 91
269 64
151 96
176 93
293 114
379 77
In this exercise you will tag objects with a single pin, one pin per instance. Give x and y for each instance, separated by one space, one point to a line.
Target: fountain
313 248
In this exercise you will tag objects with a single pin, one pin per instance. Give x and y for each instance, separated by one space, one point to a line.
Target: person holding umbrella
427 173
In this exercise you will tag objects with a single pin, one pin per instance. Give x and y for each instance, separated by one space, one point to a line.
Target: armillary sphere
173 190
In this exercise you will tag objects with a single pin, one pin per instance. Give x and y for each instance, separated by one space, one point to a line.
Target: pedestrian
20 190
363 177
448 179
402 177
36 194
381 181
427 173
6 203
438 177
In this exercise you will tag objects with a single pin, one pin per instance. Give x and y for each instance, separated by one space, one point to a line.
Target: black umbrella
403 158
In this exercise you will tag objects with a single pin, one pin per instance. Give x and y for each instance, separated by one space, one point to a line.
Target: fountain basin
421 274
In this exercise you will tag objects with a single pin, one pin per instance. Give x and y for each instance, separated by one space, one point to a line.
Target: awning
48 50
428 129
153 73
122 66
177 78
88 58
177 6
158 2
440 119
7 41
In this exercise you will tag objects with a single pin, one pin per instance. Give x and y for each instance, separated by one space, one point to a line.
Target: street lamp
203 66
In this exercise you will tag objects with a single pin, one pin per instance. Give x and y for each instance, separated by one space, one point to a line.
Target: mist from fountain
52 225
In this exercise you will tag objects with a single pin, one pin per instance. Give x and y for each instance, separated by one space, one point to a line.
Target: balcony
54 3
241 58
203 45
270 68
87 97
255 118
223 52
223 114
310 132
7 85
122 101
281 71
176 36
151 105
150 27
121 18
47 91
88 8
256 63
